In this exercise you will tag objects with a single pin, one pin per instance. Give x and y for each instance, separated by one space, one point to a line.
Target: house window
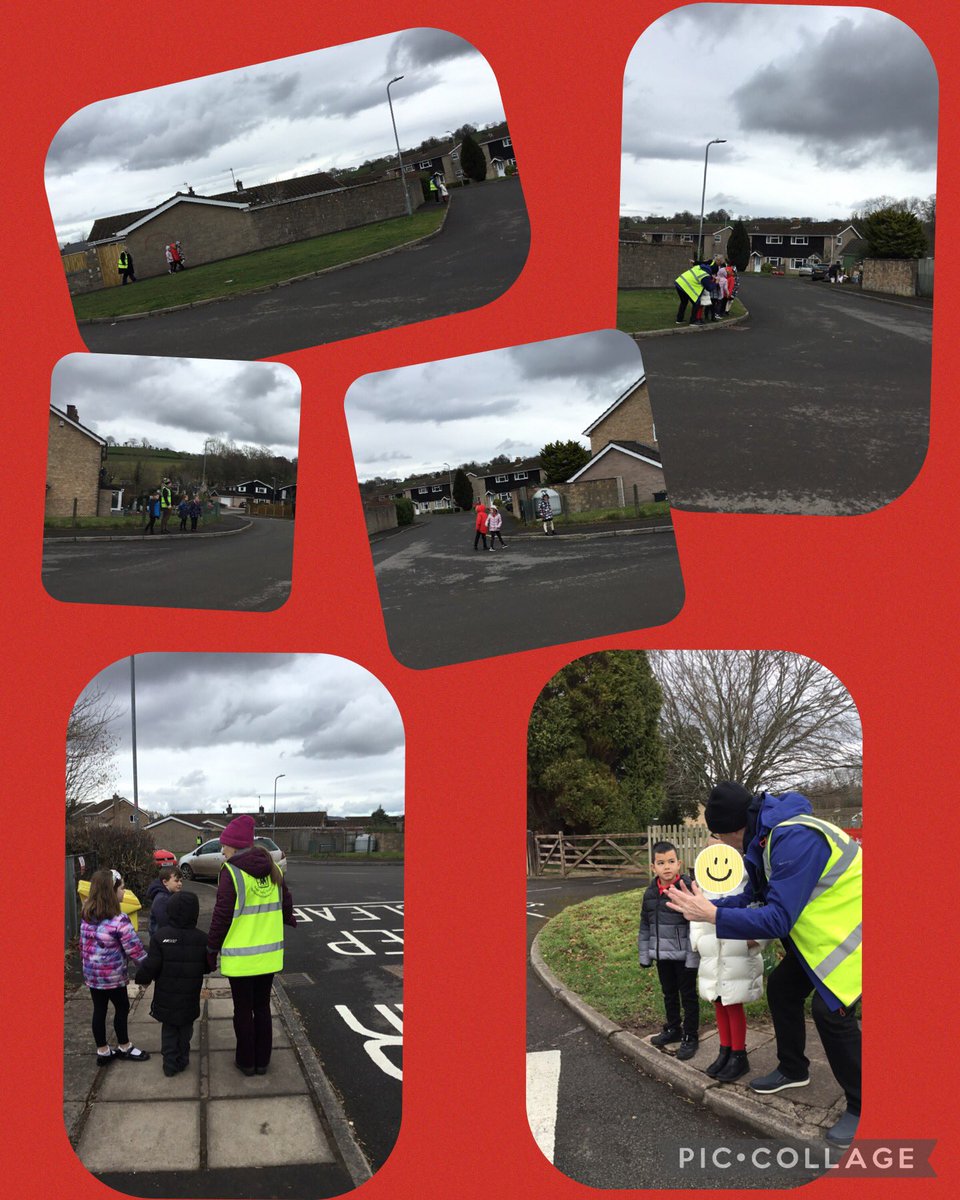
421 490
774 262
839 240
242 488
774 240
425 166
686 237
260 491
506 141
799 262
717 237
519 475
500 479
436 488
799 241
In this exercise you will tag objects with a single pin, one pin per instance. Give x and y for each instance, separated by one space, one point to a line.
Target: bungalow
117 812
75 471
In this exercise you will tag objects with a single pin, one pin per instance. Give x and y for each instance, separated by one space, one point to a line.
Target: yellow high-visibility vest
828 932
254 941
692 282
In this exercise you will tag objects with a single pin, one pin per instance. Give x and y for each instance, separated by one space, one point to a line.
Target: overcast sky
180 402
214 729
271 121
822 108
412 420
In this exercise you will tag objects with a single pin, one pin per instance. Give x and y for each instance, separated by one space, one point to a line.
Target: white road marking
377 1042
543 1093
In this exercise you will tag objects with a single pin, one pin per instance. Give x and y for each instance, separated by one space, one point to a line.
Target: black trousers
175 1045
494 534
678 983
684 301
102 998
476 539
252 1022
787 989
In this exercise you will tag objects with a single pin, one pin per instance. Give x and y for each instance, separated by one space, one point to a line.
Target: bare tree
765 718
91 767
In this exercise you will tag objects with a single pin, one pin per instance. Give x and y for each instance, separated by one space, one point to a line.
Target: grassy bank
592 948
115 521
595 515
641 310
247 272
376 856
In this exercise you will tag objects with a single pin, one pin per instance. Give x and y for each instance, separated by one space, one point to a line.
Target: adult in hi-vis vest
689 285
804 883
253 905
166 505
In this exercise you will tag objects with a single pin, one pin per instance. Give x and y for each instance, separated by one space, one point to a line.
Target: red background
871 597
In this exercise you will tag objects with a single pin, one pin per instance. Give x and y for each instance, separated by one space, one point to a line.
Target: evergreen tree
462 491
738 247
560 460
595 761
472 159
894 233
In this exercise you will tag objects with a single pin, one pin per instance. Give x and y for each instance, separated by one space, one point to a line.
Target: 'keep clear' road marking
366 941
378 1042
347 912
531 905
543 1093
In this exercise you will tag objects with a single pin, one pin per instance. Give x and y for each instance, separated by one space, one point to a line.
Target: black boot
737 1065
688 1047
669 1033
718 1063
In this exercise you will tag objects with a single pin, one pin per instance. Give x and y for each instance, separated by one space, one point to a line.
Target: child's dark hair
663 848
169 872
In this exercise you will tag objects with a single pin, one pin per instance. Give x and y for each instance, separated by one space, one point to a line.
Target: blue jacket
797 861
159 898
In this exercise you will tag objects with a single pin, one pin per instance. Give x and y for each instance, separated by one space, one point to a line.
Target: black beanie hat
183 910
726 809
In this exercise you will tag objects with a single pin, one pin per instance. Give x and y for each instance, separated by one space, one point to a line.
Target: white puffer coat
730 970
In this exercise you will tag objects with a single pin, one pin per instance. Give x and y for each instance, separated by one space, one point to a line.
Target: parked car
820 271
807 270
164 858
205 862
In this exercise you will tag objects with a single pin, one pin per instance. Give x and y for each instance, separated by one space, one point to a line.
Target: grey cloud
593 358
641 143
867 90
707 23
426 47
192 780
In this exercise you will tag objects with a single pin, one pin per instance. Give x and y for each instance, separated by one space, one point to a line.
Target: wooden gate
589 854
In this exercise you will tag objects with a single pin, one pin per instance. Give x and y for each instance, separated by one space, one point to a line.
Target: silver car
205 862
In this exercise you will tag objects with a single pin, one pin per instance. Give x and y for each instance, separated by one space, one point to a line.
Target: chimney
229 810
72 413
239 185
191 192
261 810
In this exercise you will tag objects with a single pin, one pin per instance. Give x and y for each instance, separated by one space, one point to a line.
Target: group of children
690 957
719 289
176 963
489 520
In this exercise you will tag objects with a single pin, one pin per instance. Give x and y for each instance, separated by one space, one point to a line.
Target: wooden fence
611 853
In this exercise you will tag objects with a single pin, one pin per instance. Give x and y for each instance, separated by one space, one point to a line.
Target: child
107 941
481 524
545 513
731 975
494 522
159 893
665 939
177 960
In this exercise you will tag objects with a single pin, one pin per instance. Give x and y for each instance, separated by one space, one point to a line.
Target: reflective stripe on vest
166 500
122 262
692 281
254 941
828 933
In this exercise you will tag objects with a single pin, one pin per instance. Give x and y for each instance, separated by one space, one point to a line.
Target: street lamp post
449 482
456 161
203 483
275 805
703 194
403 178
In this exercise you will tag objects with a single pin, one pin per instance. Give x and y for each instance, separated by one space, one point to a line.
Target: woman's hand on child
692 904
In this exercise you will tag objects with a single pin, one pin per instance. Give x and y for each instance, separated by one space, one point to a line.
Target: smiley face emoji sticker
718 869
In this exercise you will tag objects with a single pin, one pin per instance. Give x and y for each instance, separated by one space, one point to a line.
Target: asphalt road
476 258
445 603
818 403
249 571
343 972
615 1127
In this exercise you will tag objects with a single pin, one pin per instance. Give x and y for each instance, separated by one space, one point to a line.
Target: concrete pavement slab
264 1132
283 1076
220 1035
115 1134
218 1008
146 1081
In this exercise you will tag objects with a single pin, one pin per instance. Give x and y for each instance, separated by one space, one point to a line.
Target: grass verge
130 524
595 515
377 856
592 949
247 272
642 310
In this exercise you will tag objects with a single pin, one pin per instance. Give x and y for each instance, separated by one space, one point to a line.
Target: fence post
563 857
636 500
75 512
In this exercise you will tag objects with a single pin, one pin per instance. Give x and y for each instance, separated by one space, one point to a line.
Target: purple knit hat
239 833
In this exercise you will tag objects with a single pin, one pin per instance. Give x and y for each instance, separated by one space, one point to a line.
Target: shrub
404 511
766 269
129 851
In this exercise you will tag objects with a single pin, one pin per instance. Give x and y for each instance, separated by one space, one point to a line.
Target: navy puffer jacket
664 933
177 961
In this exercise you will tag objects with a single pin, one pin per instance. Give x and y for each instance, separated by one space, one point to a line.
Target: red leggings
731 1025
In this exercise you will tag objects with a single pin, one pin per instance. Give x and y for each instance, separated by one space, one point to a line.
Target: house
629 416
117 811
75 471
178 832
790 245
501 482
244 495
497 147
428 493
631 464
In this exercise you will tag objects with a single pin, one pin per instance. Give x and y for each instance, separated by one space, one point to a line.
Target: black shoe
776 1081
245 1070
718 1063
688 1046
737 1064
666 1036
169 1071
134 1054
104 1060
260 1070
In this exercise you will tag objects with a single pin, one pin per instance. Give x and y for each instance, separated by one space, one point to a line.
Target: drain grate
296 979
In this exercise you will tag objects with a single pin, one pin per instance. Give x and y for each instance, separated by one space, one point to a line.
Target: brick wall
642 264
632 420
587 494
73 470
210 232
649 479
896 276
380 517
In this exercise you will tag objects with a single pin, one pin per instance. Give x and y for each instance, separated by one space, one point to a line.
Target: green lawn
592 948
246 273
114 521
640 310
594 515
